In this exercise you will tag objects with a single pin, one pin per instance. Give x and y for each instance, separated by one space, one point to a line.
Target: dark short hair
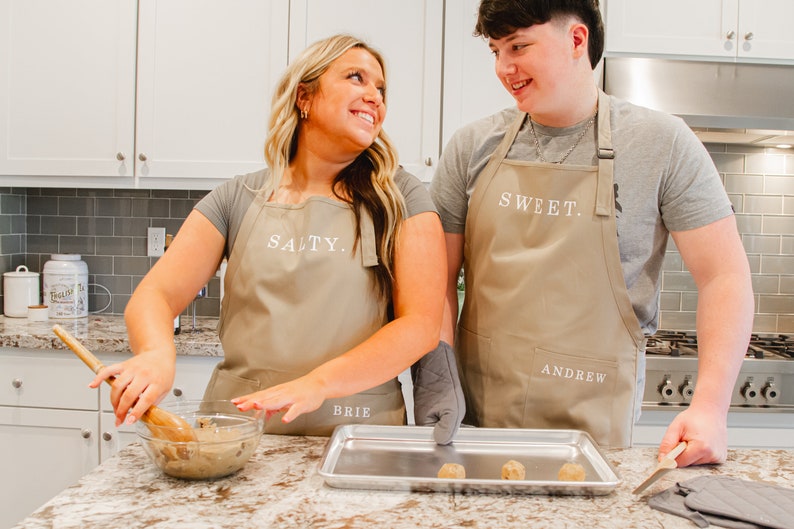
499 18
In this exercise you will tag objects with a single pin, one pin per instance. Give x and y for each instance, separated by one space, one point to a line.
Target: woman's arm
419 284
164 292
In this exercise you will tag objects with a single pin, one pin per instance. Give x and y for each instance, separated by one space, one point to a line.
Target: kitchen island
280 487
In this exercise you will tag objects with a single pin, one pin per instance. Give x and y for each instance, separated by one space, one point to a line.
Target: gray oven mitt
730 502
438 396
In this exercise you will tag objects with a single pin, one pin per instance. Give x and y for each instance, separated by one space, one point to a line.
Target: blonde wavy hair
368 181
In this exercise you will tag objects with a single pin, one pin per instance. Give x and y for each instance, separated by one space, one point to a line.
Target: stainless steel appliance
765 382
711 95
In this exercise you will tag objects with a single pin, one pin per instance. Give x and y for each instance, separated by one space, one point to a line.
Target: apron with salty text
548 337
297 295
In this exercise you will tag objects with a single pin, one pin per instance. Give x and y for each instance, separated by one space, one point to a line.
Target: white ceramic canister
65 285
20 289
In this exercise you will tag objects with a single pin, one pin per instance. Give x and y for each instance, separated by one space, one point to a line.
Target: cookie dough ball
452 471
571 472
513 470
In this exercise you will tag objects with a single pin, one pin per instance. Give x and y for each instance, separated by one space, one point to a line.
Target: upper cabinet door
67 103
206 70
764 30
408 34
674 27
749 30
471 88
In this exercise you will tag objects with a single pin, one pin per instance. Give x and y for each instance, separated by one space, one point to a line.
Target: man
559 211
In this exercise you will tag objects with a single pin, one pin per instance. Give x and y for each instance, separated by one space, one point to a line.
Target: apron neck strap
369 254
605 201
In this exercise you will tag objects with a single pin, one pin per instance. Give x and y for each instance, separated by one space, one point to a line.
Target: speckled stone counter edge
104 334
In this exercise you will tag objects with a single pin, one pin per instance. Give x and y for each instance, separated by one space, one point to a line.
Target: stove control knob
749 391
770 392
666 389
687 389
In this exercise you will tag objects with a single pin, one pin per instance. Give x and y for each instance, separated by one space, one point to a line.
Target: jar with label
65 286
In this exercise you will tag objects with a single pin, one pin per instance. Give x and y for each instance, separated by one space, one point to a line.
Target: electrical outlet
155 242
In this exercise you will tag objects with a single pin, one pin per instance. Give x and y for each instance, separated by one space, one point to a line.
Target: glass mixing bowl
226 439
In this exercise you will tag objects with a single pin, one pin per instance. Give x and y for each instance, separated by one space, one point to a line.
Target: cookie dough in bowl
226 439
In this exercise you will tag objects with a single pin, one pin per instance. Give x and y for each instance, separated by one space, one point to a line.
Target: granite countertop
105 334
280 487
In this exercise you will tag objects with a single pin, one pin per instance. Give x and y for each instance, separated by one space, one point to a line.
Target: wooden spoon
163 424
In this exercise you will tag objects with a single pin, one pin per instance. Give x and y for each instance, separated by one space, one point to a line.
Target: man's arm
718 263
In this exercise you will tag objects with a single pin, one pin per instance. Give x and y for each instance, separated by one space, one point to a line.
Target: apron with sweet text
297 295
547 335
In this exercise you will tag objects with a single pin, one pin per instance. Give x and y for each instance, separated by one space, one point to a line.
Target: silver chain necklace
564 156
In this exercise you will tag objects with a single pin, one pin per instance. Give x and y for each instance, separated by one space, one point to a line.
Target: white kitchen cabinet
48 428
112 439
750 30
205 72
409 34
68 100
43 452
54 429
471 88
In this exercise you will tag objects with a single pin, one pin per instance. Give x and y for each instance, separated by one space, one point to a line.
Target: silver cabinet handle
730 35
428 161
85 433
107 436
120 156
177 392
749 35
142 157
17 383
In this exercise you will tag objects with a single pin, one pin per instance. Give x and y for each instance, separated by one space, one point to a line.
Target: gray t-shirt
226 205
665 181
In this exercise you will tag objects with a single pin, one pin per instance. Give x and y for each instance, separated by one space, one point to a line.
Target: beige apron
297 295
548 337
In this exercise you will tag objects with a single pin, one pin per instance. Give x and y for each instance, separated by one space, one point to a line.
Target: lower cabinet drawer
45 379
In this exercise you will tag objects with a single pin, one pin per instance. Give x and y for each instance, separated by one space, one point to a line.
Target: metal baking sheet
405 458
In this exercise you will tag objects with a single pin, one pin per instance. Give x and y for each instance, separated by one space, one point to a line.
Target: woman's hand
138 383
302 395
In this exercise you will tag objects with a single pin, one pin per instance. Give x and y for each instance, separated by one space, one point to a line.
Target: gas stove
765 382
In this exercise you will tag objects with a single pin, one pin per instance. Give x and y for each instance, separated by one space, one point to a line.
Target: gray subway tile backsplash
108 228
762 191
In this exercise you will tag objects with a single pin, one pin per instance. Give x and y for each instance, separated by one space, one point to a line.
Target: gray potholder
672 501
733 499
752 501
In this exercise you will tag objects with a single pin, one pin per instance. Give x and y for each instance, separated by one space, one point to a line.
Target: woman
319 246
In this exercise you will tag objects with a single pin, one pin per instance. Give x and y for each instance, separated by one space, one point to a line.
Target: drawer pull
177 392
85 433
107 436
17 383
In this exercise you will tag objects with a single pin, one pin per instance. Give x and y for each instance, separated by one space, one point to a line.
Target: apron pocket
474 353
224 386
568 391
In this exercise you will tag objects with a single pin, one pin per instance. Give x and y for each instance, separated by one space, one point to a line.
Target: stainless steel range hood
723 102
